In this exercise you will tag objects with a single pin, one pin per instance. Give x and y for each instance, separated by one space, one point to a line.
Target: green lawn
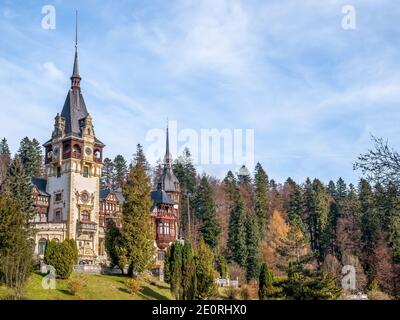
98 287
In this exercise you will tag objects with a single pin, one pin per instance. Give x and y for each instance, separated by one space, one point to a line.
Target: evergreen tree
30 153
261 196
349 225
237 232
392 221
120 171
114 245
230 184
295 203
206 213
156 173
173 269
16 248
18 186
341 190
318 210
189 280
205 274
293 248
140 157
369 216
137 228
265 283
107 175
185 172
61 256
370 224
5 159
253 243
306 284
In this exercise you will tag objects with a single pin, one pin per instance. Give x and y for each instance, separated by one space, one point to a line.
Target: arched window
77 149
42 246
161 228
85 216
97 154
166 228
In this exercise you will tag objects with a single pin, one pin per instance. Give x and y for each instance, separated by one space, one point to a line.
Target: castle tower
73 161
169 183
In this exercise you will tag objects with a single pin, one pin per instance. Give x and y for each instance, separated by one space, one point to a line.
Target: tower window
57 216
86 171
85 216
58 197
58 172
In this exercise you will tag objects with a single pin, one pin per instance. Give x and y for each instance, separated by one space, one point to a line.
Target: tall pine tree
206 213
261 196
137 229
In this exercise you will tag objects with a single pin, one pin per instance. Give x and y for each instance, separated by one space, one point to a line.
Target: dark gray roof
105 192
41 185
74 112
168 180
160 197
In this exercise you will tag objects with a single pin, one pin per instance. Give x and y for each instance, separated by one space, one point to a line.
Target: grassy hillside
98 287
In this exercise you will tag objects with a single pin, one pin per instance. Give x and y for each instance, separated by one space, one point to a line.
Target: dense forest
281 240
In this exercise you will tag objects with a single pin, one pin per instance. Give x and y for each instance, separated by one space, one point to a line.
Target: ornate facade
70 203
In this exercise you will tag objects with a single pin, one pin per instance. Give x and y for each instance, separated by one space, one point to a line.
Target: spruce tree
206 213
392 212
18 186
185 172
5 159
189 280
137 229
261 196
237 232
265 283
114 244
253 244
319 219
205 273
140 157
294 203
30 153
120 171
16 247
107 175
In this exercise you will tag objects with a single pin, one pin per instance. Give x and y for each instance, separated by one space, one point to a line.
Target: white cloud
53 72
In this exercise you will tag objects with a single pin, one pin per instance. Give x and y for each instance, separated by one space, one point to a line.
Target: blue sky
312 91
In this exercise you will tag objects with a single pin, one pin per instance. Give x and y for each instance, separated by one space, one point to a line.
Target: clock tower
73 160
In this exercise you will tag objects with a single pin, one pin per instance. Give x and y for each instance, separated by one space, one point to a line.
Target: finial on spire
76 30
76 78
168 158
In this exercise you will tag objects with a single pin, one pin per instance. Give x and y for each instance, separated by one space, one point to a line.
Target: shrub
133 285
75 285
378 295
61 256
232 293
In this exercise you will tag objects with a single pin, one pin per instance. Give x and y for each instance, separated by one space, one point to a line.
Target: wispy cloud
312 91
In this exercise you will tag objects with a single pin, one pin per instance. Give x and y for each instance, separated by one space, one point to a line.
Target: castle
70 203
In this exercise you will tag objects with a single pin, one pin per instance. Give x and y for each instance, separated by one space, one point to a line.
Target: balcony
87 226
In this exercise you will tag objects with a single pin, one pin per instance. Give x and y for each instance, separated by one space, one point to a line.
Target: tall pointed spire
168 157
76 78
